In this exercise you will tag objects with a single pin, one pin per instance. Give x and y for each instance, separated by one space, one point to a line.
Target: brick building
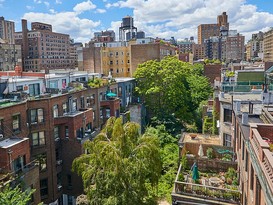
207 30
10 56
7 30
121 58
43 49
268 48
50 129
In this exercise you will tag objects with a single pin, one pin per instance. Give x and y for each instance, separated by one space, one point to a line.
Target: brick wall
212 71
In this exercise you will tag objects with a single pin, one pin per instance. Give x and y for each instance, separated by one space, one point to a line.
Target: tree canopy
120 167
11 196
172 87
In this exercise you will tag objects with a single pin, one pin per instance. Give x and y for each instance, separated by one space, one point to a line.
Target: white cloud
38 1
101 11
84 6
47 4
180 18
58 2
66 22
30 7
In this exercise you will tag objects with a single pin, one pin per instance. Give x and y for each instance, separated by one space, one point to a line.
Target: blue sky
158 18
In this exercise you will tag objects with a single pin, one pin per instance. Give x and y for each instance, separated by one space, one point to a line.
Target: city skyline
164 19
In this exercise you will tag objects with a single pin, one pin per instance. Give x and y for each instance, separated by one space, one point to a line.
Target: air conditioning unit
60 187
1 136
59 162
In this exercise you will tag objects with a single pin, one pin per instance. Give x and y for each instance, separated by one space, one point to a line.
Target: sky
157 18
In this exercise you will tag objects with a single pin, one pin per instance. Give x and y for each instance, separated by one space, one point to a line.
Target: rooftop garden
211 184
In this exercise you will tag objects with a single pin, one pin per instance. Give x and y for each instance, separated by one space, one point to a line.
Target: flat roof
200 139
123 79
11 142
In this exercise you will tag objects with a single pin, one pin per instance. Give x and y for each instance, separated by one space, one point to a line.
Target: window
19 88
69 180
34 89
41 158
16 123
227 115
74 105
79 133
107 113
66 131
56 133
251 177
82 101
55 111
227 140
1 128
43 188
38 138
64 108
36 116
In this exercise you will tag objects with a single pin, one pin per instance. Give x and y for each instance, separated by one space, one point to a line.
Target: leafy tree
11 196
171 88
121 166
169 157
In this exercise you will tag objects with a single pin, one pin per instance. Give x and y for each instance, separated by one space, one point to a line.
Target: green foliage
208 125
212 61
122 167
184 162
229 73
95 83
171 87
169 157
231 173
210 153
11 196
227 157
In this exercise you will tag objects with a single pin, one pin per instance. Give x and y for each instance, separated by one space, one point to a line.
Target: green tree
11 196
121 166
171 87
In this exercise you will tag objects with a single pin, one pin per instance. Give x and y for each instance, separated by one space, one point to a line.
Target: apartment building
121 58
268 46
235 47
7 30
254 47
49 129
43 49
205 31
10 56
198 51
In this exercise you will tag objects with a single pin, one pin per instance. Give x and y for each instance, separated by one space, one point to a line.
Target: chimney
245 118
24 40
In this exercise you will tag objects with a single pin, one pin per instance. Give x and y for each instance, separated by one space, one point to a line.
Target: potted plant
210 153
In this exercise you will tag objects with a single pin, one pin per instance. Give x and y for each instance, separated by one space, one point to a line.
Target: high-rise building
268 46
207 30
10 56
43 49
104 36
7 30
254 47
235 49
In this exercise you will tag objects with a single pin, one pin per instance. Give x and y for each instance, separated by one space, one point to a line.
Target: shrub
210 153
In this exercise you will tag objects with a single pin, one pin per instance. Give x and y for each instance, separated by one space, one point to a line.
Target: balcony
187 191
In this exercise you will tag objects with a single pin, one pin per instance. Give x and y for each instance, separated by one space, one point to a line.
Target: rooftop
200 139
11 142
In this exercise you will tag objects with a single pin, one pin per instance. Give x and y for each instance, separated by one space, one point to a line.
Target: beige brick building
268 46
121 58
